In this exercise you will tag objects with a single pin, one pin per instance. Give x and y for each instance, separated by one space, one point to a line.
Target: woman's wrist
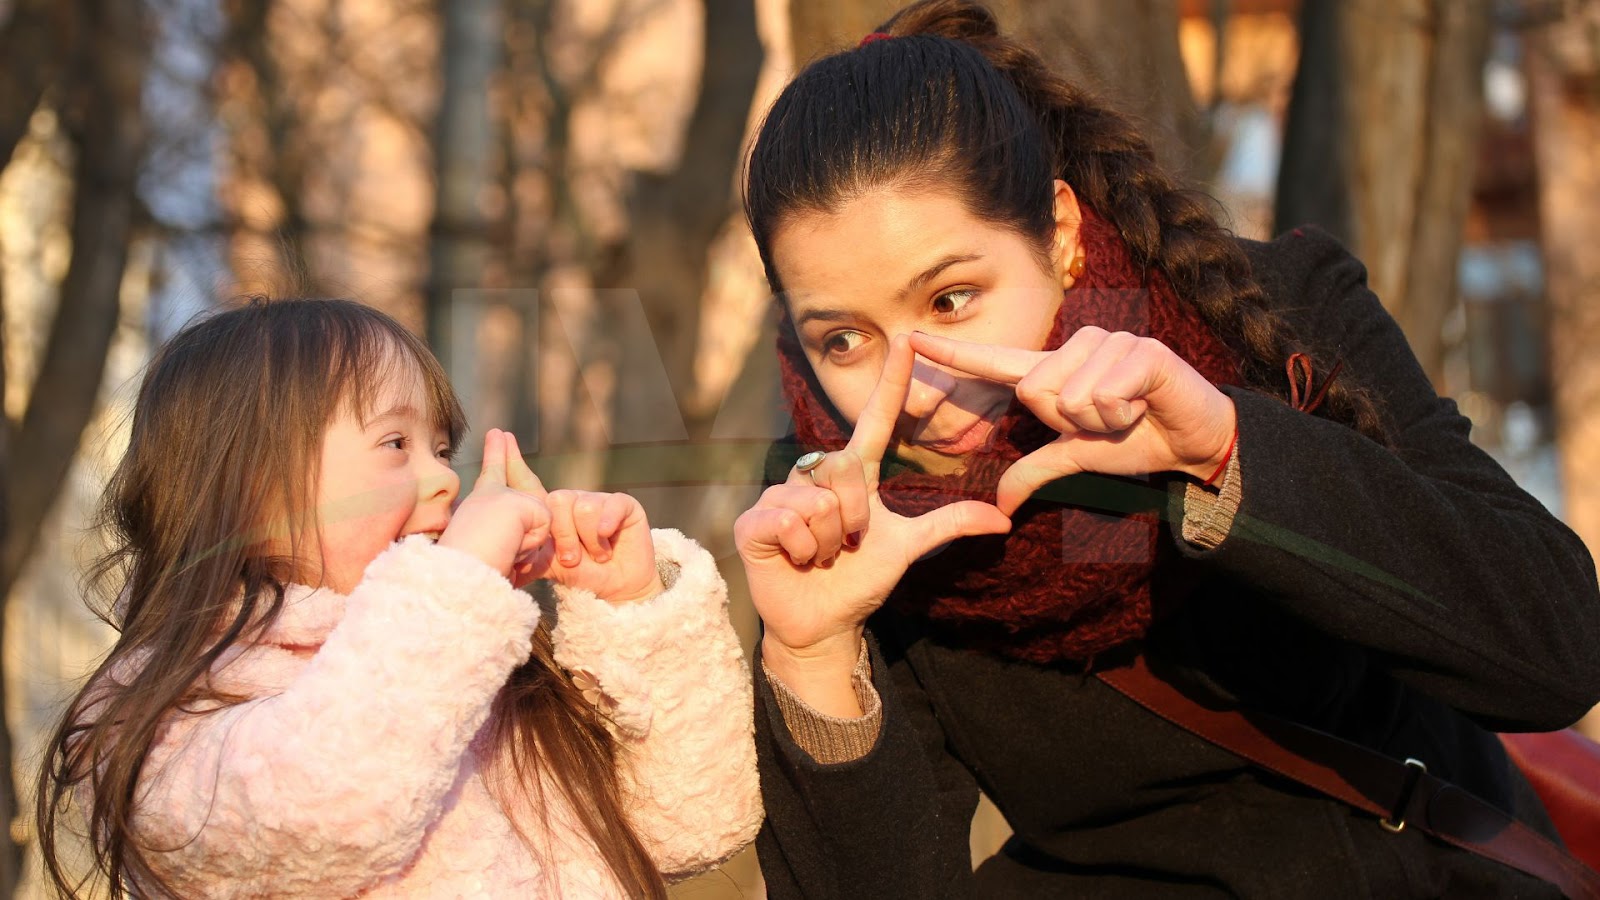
819 673
1208 469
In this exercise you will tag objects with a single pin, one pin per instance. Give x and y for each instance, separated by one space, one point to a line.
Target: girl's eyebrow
398 411
922 278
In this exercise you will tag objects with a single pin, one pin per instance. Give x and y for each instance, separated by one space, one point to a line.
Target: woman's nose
930 386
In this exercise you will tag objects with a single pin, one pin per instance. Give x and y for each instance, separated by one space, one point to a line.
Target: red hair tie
875 36
1298 369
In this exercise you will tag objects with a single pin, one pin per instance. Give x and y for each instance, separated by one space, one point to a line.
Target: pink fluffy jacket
354 769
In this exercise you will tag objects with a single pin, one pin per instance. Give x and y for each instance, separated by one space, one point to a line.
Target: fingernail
852 540
568 559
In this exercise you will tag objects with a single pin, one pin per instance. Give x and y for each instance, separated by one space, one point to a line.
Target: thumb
938 527
1032 472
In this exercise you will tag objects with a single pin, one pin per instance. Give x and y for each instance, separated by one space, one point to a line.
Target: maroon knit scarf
1086 566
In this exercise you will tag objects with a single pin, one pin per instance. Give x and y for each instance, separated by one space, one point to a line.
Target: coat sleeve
1425 552
327 787
892 824
674 684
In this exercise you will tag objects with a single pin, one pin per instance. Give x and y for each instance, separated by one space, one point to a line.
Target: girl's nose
930 385
439 481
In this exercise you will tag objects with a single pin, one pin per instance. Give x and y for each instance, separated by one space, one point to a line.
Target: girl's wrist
655 587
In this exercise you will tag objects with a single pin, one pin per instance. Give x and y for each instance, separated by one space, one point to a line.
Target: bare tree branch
29 44
676 215
103 120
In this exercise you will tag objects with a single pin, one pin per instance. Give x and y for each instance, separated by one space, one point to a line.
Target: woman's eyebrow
922 278
823 315
933 271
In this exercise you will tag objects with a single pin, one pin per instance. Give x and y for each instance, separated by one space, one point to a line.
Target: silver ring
809 461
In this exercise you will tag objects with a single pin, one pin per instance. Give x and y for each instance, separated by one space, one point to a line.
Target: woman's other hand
1123 405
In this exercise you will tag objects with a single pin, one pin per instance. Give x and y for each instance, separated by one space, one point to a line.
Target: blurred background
547 189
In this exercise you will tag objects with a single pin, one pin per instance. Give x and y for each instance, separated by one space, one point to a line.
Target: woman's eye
842 342
952 302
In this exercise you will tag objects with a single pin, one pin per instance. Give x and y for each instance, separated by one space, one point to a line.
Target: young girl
326 683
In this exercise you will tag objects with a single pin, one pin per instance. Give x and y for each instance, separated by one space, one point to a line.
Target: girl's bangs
375 352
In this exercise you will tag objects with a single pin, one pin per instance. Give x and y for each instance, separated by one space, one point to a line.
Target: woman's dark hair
948 103
224 452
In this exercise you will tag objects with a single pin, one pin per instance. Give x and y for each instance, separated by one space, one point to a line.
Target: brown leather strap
1401 795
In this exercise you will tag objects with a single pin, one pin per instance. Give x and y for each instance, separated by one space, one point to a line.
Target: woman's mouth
973 438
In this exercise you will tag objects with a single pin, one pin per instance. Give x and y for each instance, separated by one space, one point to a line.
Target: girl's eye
841 343
445 452
953 302
398 443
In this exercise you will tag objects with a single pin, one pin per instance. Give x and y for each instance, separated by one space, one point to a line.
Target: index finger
876 423
519 476
494 458
1006 365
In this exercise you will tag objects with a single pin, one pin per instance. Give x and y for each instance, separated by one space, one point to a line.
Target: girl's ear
1067 249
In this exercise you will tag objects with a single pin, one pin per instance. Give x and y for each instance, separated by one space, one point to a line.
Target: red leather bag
1564 767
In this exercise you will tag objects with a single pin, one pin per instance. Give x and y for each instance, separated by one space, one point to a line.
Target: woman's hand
505 516
822 552
1124 405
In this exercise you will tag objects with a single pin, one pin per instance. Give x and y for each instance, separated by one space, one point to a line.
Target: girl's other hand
598 542
505 515
1123 404
821 550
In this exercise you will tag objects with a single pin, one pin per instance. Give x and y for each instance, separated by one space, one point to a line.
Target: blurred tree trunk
282 162
1381 142
11 851
674 217
1125 52
1563 62
464 148
99 99
28 40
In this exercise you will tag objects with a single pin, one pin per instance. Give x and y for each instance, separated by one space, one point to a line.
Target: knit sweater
357 767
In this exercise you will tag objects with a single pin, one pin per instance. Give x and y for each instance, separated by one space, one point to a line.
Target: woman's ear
1067 249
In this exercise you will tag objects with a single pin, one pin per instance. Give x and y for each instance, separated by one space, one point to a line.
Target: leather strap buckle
1397 819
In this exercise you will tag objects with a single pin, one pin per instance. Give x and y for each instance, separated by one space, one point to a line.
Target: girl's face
382 478
894 260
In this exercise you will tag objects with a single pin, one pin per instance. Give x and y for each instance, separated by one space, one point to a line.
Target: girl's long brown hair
949 103
226 439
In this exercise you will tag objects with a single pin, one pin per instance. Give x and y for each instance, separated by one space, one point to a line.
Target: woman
1069 423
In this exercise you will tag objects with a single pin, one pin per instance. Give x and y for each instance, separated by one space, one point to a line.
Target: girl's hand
598 542
1124 405
821 550
505 515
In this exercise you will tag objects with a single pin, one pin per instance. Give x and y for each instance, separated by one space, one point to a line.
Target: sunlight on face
383 477
892 261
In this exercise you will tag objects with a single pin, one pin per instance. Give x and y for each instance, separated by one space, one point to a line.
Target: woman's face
893 261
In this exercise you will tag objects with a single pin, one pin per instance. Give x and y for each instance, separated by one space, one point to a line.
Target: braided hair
952 104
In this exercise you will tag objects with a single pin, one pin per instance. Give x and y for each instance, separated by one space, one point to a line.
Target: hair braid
1113 169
